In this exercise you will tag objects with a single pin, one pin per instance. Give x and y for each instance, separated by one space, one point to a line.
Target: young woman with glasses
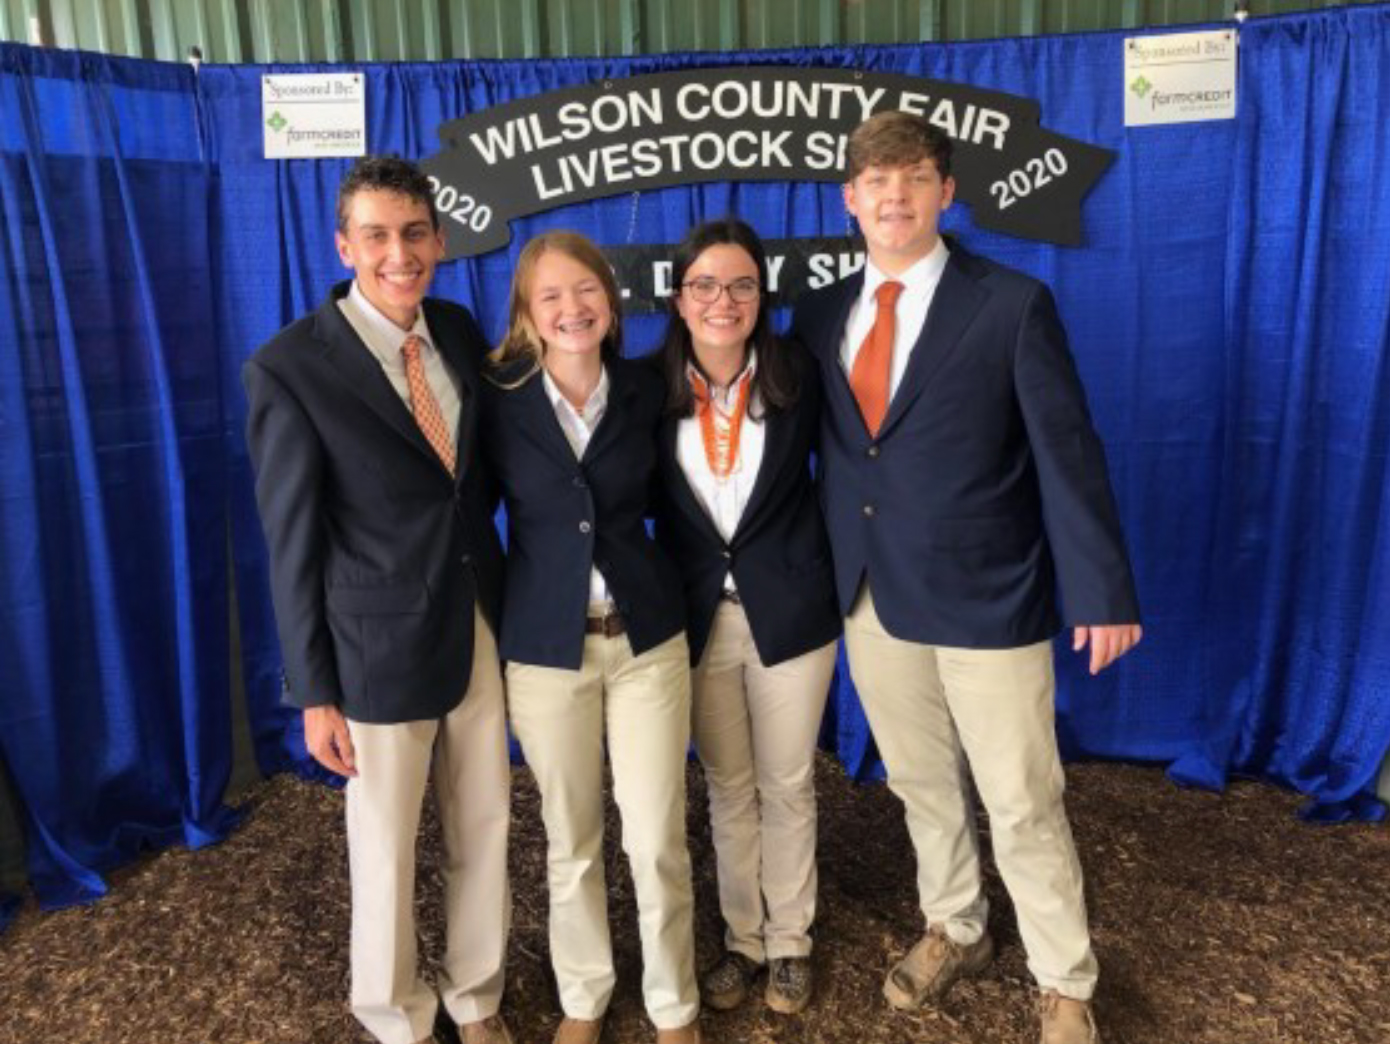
738 513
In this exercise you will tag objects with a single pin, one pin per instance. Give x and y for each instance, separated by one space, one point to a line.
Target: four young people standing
962 485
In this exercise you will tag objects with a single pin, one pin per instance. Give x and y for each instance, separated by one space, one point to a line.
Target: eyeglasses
707 291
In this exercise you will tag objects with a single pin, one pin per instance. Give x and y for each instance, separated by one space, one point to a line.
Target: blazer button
466 560
872 451
869 511
727 555
584 526
579 482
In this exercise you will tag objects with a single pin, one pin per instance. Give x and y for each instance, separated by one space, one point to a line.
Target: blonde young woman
593 629
738 514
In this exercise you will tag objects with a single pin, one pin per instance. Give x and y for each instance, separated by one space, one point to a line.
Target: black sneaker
726 985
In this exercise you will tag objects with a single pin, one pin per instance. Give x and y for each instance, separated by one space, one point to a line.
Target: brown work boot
932 967
726 985
687 1034
789 985
491 1030
1065 1020
579 1031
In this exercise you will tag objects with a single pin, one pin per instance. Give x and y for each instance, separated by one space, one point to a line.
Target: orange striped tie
868 378
423 403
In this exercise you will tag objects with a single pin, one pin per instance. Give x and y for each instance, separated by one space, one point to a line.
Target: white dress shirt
919 287
579 426
384 338
724 499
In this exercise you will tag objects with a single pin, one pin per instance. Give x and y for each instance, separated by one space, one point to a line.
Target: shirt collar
750 367
924 274
593 408
386 337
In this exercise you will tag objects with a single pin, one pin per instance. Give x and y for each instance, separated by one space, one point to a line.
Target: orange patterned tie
868 379
423 403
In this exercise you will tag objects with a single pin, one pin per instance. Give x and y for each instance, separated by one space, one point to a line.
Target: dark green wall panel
431 30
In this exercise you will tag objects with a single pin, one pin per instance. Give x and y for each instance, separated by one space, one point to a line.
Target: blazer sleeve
1082 522
288 461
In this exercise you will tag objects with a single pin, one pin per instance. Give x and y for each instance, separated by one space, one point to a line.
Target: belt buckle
612 621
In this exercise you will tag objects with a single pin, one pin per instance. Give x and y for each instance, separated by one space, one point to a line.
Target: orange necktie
868 379
424 405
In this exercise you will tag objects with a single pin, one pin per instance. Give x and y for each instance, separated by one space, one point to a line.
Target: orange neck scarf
720 428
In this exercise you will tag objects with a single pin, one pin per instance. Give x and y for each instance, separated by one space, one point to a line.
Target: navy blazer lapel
538 420
362 373
955 304
776 439
621 390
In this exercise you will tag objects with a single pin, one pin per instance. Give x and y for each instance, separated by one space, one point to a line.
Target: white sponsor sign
310 115
1180 78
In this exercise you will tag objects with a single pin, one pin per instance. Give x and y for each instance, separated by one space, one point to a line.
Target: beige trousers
561 717
940 715
466 753
755 728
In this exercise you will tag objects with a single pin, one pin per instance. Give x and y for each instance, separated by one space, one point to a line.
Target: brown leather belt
610 626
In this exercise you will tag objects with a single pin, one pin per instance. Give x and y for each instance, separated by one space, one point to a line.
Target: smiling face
898 208
392 246
720 328
567 305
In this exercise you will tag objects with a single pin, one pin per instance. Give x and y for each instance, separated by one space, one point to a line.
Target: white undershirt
578 426
910 315
724 499
384 338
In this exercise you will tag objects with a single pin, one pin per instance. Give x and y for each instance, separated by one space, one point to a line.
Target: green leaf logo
277 122
1140 87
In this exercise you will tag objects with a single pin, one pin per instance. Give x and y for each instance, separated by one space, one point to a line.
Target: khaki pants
561 717
755 728
940 715
466 753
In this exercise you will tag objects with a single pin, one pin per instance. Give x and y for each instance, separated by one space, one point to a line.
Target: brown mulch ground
1218 918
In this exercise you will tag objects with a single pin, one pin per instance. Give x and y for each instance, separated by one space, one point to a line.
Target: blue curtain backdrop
1229 313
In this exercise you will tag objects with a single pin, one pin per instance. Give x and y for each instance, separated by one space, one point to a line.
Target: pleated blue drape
1229 313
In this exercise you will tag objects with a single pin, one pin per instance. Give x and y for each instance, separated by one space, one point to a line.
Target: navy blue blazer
779 554
565 515
377 556
986 489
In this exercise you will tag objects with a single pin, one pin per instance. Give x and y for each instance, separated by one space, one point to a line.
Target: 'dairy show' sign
767 123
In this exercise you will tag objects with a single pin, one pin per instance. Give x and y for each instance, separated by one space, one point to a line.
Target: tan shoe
1065 1020
491 1030
579 1031
932 967
789 985
687 1034
726 985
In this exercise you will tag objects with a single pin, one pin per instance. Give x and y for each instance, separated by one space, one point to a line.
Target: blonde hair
523 343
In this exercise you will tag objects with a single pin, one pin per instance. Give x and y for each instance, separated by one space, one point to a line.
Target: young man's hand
1108 642
327 737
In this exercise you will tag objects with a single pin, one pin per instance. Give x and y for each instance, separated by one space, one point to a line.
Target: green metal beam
332 30
1131 14
400 21
429 15
1030 18
299 26
130 28
730 36
363 32
231 31
630 26
828 17
929 19
530 29
201 38
460 30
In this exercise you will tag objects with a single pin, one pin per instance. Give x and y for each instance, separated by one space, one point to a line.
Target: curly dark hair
386 174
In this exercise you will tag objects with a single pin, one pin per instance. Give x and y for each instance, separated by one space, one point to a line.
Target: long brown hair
775 381
523 345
